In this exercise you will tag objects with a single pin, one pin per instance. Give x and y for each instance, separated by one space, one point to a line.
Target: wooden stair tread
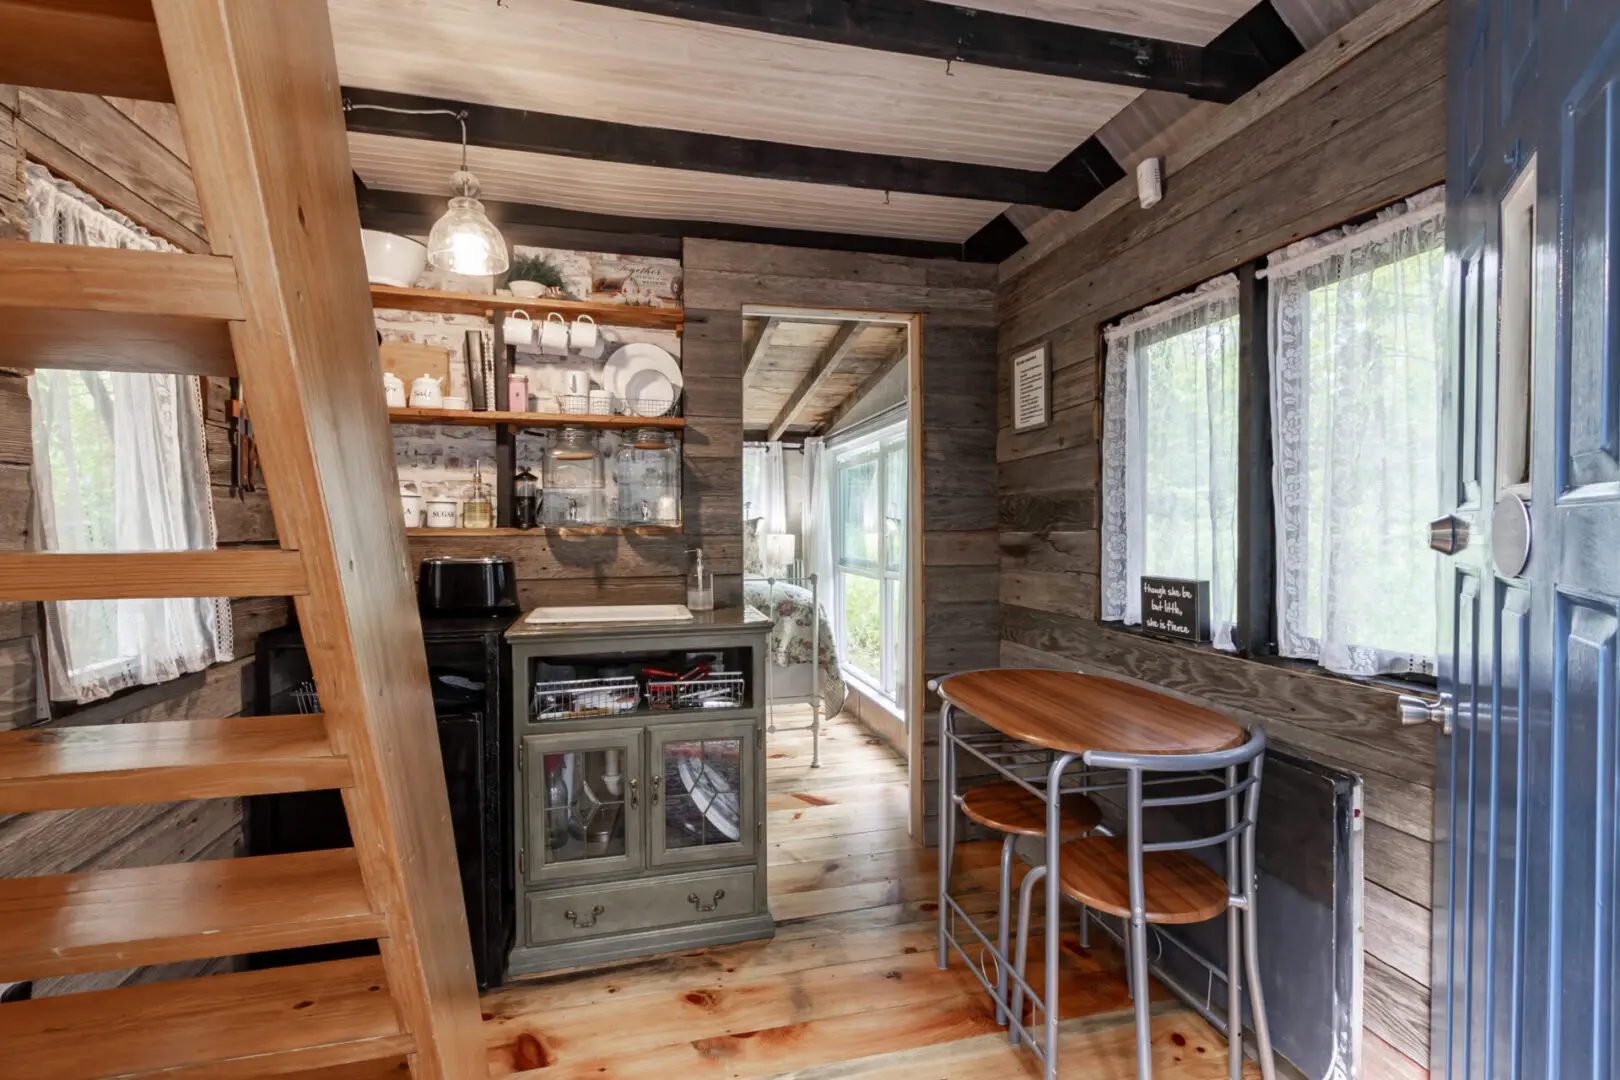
276 1022
65 768
112 309
106 920
34 576
1177 888
1007 807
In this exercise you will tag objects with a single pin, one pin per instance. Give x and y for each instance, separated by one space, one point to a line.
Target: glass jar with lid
573 479
648 470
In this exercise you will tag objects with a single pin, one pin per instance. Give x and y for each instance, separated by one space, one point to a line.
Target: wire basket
305 697
719 691
647 407
567 699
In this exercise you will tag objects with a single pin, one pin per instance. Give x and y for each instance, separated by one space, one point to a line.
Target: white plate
636 356
647 392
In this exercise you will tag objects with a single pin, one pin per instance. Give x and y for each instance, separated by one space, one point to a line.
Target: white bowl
391 259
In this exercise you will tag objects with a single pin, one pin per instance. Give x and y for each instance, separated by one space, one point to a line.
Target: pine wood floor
848 988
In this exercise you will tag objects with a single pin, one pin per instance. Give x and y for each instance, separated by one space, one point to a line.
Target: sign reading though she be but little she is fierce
1175 607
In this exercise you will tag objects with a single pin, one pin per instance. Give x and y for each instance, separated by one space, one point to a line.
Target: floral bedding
789 608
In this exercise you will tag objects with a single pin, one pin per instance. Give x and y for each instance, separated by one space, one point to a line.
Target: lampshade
464 240
779 549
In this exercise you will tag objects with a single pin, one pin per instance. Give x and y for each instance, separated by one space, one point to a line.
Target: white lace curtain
1357 340
120 464
1170 452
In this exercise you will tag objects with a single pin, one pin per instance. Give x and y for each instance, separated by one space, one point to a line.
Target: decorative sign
1175 607
1031 391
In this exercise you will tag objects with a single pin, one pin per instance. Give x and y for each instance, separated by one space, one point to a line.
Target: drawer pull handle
583 924
633 802
657 782
697 901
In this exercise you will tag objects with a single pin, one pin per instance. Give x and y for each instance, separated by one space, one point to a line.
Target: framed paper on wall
1031 389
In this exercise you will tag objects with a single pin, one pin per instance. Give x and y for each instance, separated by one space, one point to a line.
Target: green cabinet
640 820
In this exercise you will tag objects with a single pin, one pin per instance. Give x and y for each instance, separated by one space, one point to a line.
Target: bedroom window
869 500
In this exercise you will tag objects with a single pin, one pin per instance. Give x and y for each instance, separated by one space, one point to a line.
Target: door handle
1416 710
633 802
657 781
1448 535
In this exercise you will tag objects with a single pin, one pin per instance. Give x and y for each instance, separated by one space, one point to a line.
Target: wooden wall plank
1396 1010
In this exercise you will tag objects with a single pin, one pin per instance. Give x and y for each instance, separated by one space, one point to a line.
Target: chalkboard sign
1175 607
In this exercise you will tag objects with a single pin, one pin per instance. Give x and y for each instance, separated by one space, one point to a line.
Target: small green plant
535 268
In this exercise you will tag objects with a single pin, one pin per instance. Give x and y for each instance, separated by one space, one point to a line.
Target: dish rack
723 690
567 699
305 697
580 405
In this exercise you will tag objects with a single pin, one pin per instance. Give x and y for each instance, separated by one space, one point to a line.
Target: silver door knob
1416 710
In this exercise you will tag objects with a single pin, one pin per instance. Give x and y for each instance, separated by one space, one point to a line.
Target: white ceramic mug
426 393
442 514
457 403
394 390
576 380
554 335
518 328
601 404
582 336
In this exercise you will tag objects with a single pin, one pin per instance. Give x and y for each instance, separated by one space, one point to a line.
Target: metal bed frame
816 698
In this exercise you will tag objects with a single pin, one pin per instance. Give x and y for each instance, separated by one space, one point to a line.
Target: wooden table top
1073 713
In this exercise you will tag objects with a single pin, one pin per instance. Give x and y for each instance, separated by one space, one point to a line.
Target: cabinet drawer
639 905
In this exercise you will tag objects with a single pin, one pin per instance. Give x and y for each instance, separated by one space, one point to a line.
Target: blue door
1527 943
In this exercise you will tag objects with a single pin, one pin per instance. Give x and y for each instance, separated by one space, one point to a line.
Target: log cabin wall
958 348
1365 133
129 156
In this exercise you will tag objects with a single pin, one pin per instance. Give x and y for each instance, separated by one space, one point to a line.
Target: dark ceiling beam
949 33
1261 32
544 226
814 379
631 144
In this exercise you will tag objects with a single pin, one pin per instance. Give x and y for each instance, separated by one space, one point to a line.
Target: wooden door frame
916 692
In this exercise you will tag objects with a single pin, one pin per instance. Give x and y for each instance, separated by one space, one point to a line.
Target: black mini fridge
468 669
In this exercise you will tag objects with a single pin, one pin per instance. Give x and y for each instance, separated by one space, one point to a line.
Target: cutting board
411 360
609 613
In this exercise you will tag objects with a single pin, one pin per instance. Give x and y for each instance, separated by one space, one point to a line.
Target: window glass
870 480
858 513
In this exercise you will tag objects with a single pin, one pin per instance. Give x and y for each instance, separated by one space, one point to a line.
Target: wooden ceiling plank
825 365
525 223
633 144
868 385
992 39
757 353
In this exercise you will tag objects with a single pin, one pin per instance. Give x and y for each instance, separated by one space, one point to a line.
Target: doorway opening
831 518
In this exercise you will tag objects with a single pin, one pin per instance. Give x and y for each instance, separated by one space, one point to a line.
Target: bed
804 658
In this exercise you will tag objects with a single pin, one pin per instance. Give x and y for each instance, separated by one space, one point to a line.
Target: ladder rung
149 574
87 46
64 768
106 920
277 1022
109 309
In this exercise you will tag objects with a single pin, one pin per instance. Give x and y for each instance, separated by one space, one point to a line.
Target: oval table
1071 716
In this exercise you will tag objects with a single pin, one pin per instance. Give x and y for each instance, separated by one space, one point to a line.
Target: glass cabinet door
702 805
583 794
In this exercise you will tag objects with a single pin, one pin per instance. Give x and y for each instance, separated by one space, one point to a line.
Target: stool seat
1007 807
1177 888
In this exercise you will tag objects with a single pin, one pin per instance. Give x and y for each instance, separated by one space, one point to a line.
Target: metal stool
1008 808
1158 882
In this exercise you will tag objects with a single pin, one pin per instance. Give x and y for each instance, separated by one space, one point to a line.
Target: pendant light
464 240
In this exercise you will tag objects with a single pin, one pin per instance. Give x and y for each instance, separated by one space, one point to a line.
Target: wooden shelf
470 418
458 303
552 530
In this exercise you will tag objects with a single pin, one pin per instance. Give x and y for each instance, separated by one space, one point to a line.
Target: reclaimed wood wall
130 156
956 301
1365 134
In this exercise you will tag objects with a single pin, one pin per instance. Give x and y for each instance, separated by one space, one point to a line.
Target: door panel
583 805
1527 942
703 804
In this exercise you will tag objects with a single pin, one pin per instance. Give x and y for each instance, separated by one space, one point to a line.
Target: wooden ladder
282 302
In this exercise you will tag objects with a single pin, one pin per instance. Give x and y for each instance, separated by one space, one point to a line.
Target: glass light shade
464 240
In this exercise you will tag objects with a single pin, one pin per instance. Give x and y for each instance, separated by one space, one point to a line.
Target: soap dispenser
699 585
